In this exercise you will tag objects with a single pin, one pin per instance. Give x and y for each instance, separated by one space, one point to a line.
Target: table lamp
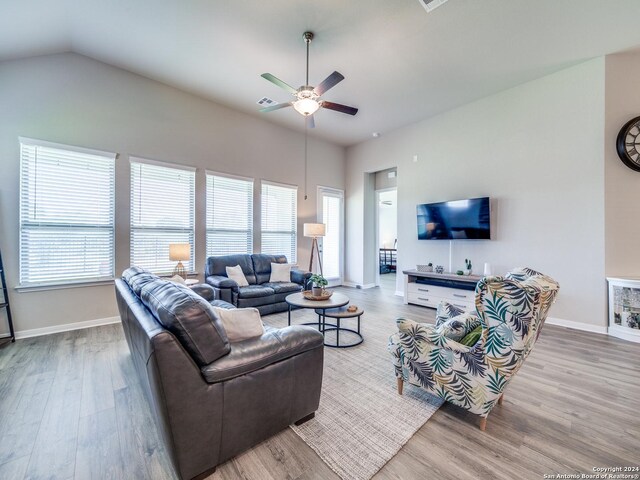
177 253
314 230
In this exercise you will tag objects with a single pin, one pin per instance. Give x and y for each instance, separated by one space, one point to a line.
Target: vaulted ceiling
401 63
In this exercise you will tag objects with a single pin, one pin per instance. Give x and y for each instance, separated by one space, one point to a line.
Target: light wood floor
70 407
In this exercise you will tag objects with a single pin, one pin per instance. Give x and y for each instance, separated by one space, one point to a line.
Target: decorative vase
487 269
439 269
316 291
467 271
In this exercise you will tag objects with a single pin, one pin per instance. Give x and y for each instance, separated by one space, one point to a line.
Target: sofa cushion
240 323
280 272
254 291
237 275
262 265
250 355
217 266
254 302
284 287
185 314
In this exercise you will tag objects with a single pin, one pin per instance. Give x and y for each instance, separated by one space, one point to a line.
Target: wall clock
628 144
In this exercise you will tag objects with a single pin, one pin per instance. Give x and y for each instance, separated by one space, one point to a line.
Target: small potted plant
429 267
468 266
319 282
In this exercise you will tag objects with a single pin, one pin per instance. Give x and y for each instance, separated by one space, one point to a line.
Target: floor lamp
314 230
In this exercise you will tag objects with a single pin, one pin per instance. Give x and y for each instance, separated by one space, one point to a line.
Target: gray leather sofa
213 399
260 293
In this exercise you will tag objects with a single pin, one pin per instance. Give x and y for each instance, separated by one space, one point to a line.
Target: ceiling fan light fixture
306 106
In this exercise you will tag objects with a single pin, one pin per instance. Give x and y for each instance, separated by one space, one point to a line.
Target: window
279 220
162 212
229 215
67 198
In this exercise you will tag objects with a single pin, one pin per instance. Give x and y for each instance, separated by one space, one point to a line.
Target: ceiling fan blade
276 107
329 82
311 123
338 107
280 83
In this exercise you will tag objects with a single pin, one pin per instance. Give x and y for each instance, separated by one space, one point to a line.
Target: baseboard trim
357 285
37 332
585 327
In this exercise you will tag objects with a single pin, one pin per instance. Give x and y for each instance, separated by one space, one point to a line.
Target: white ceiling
401 64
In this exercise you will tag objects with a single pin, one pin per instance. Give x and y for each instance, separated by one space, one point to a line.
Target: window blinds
229 215
279 220
67 198
162 212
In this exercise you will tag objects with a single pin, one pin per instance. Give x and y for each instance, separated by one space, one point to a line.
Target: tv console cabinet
428 289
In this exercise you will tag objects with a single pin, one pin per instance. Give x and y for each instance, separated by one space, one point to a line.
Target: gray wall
537 150
74 100
622 185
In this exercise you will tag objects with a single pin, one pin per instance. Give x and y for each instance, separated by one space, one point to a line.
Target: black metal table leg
289 323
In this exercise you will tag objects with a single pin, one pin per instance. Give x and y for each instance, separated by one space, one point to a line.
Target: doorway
387 238
331 213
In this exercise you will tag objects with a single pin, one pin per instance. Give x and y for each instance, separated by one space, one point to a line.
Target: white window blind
67 198
229 215
162 212
279 220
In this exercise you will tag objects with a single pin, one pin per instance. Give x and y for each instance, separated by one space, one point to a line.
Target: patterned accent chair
511 310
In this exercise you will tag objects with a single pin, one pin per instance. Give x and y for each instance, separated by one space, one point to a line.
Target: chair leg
400 385
501 399
483 423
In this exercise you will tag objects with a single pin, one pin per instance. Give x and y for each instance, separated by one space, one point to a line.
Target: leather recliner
213 399
267 297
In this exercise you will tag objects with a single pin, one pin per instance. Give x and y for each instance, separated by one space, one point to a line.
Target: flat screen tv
468 219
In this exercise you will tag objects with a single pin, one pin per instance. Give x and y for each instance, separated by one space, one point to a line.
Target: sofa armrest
253 354
301 277
205 291
218 281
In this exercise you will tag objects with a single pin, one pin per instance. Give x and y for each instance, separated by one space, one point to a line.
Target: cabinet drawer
424 299
422 289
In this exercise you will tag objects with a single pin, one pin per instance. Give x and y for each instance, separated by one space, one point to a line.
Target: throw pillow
280 272
453 329
240 323
471 338
178 279
237 275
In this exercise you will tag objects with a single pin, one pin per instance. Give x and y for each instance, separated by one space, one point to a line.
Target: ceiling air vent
430 5
266 102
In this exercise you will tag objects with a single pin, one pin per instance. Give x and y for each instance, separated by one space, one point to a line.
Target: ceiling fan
307 98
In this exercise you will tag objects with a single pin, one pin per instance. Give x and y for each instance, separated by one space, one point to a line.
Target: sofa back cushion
218 266
184 313
262 265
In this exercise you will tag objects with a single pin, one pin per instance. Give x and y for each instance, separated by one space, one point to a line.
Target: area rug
362 422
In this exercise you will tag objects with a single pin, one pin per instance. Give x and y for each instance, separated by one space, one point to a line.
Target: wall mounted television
468 219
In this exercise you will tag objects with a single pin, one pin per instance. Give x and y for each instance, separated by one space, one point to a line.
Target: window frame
264 183
187 168
71 283
251 219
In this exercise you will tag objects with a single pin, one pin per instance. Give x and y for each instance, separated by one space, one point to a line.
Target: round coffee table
341 314
334 301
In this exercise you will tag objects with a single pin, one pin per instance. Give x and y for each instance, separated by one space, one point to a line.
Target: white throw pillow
236 274
240 323
280 272
178 279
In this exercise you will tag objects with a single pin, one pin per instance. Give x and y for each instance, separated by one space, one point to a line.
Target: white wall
73 100
622 185
537 150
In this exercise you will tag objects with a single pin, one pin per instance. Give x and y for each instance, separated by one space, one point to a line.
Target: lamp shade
179 252
314 230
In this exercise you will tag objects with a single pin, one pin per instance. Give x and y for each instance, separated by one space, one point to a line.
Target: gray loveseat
260 293
213 399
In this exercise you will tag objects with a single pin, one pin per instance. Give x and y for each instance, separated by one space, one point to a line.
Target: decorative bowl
308 294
